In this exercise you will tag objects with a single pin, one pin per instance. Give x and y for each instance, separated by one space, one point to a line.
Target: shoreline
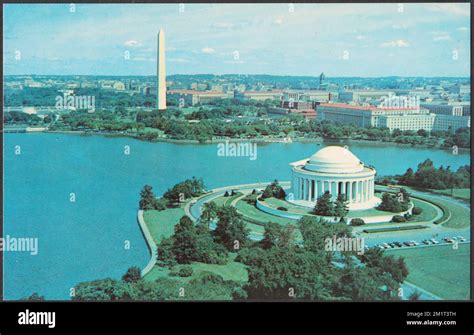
253 140
152 247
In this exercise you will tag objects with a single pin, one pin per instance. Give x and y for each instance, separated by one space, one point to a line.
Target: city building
402 118
308 95
337 170
161 71
259 95
442 108
359 96
192 97
451 122
460 89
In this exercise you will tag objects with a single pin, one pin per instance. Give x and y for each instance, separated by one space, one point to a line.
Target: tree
277 236
340 206
209 212
315 231
165 252
100 290
34 297
147 198
184 241
288 274
132 275
395 203
324 205
230 228
274 190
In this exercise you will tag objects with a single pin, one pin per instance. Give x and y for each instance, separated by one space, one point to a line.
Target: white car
414 243
434 241
386 246
461 239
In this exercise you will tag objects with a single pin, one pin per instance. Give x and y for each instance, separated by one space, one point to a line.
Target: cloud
208 50
132 43
278 21
395 44
451 8
440 36
223 25
178 60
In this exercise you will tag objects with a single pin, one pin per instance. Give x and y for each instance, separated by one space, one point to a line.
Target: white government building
337 170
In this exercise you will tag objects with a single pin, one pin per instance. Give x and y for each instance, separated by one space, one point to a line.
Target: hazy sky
306 39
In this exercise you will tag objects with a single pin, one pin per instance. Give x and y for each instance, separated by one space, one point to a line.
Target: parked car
398 244
427 242
434 241
407 244
448 240
461 239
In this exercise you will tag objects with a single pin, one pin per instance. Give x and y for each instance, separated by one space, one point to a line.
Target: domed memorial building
337 170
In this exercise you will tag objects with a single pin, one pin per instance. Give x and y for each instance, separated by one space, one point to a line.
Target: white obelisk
161 71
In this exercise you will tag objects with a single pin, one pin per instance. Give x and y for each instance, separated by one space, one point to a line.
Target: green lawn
441 270
231 271
256 214
463 193
429 212
454 215
161 223
275 203
221 201
460 216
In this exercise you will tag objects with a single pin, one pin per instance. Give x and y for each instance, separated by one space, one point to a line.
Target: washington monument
161 71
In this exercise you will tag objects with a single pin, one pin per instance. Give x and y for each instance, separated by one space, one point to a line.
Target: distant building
359 96
461 89
119 86
303 108
308 95
259 95
193 97
448 108
392 118
447 122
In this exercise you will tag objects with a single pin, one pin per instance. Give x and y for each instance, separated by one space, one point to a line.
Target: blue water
85 240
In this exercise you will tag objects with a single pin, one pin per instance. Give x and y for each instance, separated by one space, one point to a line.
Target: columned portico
335 170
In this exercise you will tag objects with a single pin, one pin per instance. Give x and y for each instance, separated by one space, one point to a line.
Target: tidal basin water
97 235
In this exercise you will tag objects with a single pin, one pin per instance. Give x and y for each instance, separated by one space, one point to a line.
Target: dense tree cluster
325 206
274 190
395 202
428 176
190 243
148 200
184 190
280 270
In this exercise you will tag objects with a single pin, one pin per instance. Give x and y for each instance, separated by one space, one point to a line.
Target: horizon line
234 74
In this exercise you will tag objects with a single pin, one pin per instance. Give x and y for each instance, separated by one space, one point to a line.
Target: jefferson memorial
337 170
